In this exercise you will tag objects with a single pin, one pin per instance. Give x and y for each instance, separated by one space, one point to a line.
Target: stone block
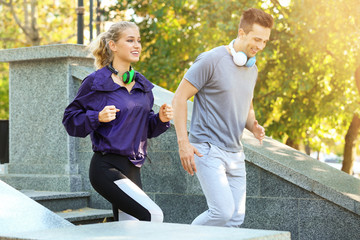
252 179
163 174
59 201
19 213
320 219
181 208
166 142
42 182
272 213
274 186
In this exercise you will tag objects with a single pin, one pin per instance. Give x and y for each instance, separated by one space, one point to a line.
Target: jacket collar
104 82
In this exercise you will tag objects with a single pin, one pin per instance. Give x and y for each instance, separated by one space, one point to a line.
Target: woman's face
128 47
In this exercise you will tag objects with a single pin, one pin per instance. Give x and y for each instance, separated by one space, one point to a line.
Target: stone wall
41 83
286 190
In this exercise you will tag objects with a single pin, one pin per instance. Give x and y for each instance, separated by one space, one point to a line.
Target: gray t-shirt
222 104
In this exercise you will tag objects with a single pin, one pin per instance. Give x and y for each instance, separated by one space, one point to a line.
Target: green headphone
127 77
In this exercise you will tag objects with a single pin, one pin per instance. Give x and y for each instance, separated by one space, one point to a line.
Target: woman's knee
156 214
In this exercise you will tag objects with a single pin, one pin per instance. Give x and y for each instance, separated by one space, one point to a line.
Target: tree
25 23
305 90
174 33
29 23
44 22
352 135
303 95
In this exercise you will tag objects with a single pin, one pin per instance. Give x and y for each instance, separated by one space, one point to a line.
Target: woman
114 105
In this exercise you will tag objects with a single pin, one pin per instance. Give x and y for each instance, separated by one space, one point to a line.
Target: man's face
255 40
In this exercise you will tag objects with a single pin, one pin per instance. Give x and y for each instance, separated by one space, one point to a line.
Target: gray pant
222 177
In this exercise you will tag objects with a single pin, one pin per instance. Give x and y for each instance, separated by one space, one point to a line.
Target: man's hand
186 152
108 113
166 113
258 131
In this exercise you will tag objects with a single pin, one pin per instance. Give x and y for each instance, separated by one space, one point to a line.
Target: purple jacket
135 122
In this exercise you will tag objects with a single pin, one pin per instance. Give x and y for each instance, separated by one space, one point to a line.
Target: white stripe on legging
133 191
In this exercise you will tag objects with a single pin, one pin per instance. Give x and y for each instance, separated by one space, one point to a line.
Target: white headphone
240 58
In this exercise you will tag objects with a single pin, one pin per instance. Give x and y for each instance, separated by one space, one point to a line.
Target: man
223 81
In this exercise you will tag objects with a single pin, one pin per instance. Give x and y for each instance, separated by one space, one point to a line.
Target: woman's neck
121 67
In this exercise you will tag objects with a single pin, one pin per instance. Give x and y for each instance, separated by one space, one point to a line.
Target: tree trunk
351 136
307 149
291 143
29 24
357 78
349 149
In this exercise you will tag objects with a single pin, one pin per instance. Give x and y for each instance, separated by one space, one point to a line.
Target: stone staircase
72 206
26 218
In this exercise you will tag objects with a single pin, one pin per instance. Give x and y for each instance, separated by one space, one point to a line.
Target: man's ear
112 45
241 33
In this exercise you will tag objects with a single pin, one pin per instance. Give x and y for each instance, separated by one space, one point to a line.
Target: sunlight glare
108 3
284 3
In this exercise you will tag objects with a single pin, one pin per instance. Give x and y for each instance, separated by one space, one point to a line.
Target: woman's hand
108 113
166 113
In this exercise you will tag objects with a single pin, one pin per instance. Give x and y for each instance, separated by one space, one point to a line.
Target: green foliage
305 91
306 88
4 92
52 23
174 33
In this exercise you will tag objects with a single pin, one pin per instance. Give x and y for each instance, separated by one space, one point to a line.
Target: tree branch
63 40
10 5
264 96
5 3
12 40
26 15
282 10
33 12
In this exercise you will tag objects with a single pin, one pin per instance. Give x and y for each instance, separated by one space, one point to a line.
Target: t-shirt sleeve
201 70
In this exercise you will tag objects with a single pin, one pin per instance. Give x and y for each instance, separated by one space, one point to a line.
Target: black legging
113 176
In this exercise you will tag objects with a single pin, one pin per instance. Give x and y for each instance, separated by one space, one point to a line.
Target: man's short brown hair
255 16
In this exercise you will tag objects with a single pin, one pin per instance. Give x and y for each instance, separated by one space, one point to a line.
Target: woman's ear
112 45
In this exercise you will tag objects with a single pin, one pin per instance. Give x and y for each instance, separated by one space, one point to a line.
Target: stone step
87 215
59 201
72 206
44 182
137 230
19 213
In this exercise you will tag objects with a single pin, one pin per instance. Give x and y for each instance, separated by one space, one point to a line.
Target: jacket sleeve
78 120
156 126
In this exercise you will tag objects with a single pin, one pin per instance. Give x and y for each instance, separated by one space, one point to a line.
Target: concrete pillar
41 154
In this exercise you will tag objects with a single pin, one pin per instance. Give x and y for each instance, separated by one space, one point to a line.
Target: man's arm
186 151
253 126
